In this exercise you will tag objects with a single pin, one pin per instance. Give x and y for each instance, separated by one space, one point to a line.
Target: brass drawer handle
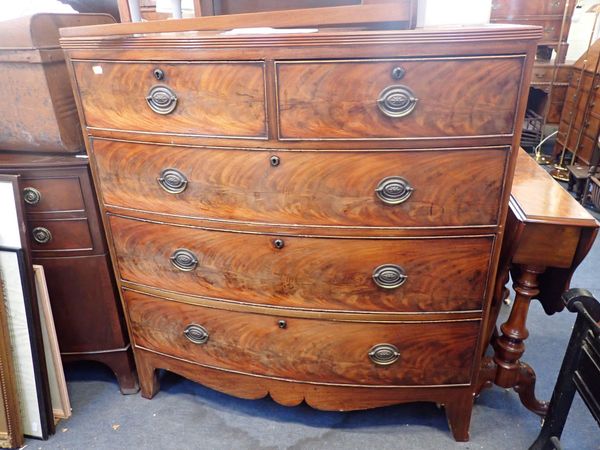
196 334
394 190
31 195
172 181
184 260
384 354
389 276
41 235
397 101
161 99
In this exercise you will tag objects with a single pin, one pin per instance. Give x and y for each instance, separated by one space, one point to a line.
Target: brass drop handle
394 190
31 195
384 354
196 334
397 101
41 235
184 260
161 99
389 276
172 181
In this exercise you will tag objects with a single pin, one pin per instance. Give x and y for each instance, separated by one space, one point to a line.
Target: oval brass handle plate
196 334
394 190
384 354
397 101
41 235
172 181
389 276
161 99
184 260
31 195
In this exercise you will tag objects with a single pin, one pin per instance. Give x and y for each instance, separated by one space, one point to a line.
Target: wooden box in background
30 56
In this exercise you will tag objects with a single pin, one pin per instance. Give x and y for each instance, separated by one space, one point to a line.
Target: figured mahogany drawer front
443 274
301 349
60 235
397 99
194 98
372 189
52 195
508 9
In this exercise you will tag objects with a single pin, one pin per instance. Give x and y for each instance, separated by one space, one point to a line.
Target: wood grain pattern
338 100
57 195
217 99
67 235
307 272
307 349
306 188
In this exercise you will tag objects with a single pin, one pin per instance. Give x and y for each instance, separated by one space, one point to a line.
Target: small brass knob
41 235
31 195
196 334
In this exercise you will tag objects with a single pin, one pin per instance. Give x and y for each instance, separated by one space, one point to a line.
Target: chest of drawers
312 217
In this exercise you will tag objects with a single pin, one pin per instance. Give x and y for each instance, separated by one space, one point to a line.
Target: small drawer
508 9
192 98
317 188
45 195
60 235
550 27
300 349
385 275
398 99
546 73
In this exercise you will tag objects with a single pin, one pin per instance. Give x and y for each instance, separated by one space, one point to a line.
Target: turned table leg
506 369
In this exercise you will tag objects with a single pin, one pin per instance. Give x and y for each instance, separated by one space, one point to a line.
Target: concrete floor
185 415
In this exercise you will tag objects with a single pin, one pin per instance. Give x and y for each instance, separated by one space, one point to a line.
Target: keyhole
278 244
158 74
275 160
282 324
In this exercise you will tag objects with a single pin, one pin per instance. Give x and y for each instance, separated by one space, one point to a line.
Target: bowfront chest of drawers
314 217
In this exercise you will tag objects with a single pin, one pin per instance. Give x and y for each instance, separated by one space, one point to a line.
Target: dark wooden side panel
84 303
456 97
307 188
306 349
317 273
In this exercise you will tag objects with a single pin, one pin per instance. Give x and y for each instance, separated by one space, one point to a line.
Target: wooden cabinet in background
67 238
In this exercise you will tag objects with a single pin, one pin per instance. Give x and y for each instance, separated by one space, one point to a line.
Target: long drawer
362 189
435 274
300 349
196 98
400 98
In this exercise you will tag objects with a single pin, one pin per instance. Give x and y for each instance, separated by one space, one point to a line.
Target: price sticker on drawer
97 70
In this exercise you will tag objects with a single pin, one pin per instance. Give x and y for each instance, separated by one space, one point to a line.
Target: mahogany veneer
316 216
59 198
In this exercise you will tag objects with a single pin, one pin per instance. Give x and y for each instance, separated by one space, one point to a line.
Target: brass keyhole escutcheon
274 160
278 244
